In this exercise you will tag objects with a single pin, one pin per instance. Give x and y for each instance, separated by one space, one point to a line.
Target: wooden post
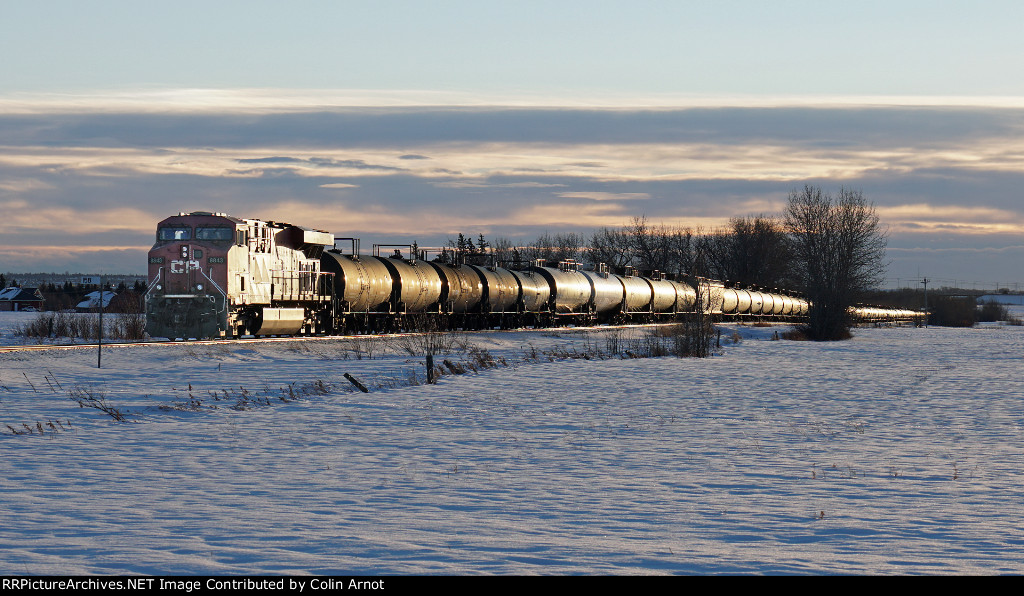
430 369
356 382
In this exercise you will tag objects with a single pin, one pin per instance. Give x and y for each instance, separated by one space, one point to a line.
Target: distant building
1002 298
21 299
92 301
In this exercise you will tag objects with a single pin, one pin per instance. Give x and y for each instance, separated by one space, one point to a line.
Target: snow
92 299
899 451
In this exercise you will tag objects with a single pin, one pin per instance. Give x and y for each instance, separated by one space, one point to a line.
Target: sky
403 121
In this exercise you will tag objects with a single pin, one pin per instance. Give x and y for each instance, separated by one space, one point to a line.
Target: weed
129 326
431 343
245 399
30 383
481 358
89 398
795 334
51 426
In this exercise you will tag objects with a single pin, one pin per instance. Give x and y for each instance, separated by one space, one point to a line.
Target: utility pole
99 338
925 282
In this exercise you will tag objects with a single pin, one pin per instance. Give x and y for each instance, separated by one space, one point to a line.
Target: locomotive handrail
153 283
219 289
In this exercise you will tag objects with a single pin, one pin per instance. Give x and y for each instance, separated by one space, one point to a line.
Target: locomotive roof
296 235
182 214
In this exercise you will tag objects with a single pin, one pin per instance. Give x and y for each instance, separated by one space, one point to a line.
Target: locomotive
213 275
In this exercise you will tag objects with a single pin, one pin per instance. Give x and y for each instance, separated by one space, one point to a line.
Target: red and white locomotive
213 275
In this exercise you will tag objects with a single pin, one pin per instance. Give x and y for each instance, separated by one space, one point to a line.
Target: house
21 299
92 301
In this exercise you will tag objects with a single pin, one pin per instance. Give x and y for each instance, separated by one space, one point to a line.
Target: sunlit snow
899 451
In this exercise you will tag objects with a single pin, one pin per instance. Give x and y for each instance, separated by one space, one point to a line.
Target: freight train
213 275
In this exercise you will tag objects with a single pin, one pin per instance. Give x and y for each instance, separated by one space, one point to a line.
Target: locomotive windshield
174 233
220 233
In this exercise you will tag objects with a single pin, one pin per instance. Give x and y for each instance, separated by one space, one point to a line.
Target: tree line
66 296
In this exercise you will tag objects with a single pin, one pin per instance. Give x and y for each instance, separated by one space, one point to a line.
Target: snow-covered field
900 451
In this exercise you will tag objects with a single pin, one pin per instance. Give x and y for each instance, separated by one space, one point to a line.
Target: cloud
819 127
949 173
487 184
322 162
606 196
964 219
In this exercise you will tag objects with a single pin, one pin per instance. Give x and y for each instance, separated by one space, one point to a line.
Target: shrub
84 326
952 311
992 311
795 334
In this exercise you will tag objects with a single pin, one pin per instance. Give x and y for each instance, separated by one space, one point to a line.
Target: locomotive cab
187 294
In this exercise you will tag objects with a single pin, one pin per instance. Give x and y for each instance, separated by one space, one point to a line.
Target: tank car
639 293
607 293
664 294
571 292
213 275
375 293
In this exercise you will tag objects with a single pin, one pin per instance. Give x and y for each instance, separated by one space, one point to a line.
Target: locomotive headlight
199 286
159 286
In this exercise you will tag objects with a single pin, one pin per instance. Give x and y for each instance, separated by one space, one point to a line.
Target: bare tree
839 252
662 248
670 249
752 250
559 247
507 253
610 246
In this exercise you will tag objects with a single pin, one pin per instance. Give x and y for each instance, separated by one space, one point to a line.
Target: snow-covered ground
899 451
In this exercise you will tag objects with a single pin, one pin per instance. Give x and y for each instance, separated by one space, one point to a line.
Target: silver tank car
743 301
361 284
664 295
570 289
756 302
501 288
461 288
535 291
639 294
686 296
417 285
730 301
606 290
787 305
